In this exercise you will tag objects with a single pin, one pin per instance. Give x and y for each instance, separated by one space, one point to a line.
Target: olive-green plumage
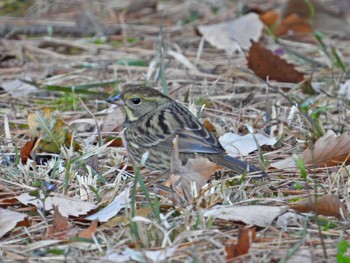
152 120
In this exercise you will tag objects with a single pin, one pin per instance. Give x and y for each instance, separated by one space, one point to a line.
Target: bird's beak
116 100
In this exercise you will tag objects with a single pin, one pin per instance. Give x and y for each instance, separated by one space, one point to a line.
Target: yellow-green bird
152 120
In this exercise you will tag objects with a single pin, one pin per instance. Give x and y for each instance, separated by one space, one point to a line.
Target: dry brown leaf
329 150
60 227
196 171
246 236
322 18
293 23
269 18
326 205
90 231
28 149
265 64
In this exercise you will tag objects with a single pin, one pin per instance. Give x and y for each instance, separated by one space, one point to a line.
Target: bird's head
137 101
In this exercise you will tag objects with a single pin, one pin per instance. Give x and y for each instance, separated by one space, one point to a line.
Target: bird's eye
136 101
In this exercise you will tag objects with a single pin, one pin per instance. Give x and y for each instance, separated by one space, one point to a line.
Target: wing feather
160 128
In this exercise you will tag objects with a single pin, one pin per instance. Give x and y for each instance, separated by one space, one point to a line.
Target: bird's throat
129 116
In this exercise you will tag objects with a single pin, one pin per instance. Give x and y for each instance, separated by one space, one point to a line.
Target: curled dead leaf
329 150
246 236
325 205
187 180
90 231
61 228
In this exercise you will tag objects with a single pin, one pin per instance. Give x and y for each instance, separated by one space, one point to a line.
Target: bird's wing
160 128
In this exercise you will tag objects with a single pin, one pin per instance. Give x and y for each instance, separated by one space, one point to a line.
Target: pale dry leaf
288 163
195 173
302 255
114 121
142 256
121 201
9 219
289 219
325 205
136 5
67 206
18 89
258 215
344 91
82 124
329 150
237 145
234 35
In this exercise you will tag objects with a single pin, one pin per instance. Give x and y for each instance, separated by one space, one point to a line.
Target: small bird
152 120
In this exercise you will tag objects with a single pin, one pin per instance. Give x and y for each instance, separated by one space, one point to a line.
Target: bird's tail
235 164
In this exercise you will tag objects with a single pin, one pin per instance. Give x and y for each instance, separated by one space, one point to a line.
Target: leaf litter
67 67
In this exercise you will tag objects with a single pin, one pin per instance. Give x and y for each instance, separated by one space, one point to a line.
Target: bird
153 120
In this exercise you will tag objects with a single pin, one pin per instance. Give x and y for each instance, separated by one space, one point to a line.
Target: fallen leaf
194 174
258 215
302 255
121 201
53 132
9 219
115 221
60 227
344 90
267 65
234 35
159 255
28 150
245 237
114 121
237 145
329 150
269 17
66 206
322 18
90 231
18 88
289 218
327 205
136 5
288 163
294 23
